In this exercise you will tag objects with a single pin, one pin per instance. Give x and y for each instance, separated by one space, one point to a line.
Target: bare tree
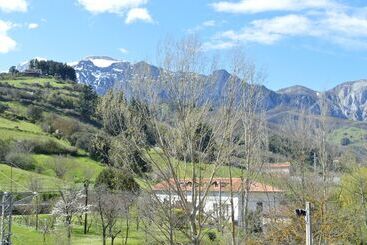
199 126
35 186
60 167
251 133
47 226
111 207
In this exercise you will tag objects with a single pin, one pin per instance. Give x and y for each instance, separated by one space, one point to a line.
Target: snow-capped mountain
104 73
347 100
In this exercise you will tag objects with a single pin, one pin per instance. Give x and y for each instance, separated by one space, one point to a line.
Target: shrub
115 179
81 140
58 100
3 107
180 218
24 146
34 113
66 126
4 149
51 147
60 167
63 126
345 141
48 147
123 154
20 160
100 147
212 236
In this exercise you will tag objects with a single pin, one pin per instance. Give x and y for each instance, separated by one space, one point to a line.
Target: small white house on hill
217 203
277 168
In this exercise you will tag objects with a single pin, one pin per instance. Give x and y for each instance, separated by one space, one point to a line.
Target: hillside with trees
142 168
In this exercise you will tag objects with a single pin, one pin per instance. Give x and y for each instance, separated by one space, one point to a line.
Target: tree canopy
53 68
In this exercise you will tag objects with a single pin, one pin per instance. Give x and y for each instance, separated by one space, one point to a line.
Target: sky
314 43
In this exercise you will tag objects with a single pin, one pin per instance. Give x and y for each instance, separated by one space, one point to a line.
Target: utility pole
37 210
6 212
307 214
308 224
86 185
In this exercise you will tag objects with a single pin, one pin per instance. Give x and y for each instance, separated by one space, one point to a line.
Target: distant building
278 168
32 72
261 196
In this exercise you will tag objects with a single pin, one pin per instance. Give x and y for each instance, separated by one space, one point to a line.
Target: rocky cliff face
349 100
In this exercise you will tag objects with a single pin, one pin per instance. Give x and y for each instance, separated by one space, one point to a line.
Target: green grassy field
18 134
357 136
23 82
21 125
77 167
16 108
28 235
21 179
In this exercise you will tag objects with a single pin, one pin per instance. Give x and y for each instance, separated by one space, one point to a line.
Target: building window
259 206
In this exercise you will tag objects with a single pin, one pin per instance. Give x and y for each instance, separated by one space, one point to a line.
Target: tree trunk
127 227
37 212
104 228
68 223
245 207
86 204
233 232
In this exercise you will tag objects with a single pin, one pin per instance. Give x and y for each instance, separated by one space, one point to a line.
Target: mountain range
346 101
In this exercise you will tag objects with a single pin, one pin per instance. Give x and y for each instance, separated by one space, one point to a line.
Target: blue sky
315 43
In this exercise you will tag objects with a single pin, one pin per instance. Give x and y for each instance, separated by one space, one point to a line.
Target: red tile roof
217 184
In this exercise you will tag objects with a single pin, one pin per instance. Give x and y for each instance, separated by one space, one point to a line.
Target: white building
277 168
217 202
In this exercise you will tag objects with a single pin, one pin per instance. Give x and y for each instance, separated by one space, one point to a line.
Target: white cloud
345 26
138 14
110 6
7 44
218 45
13 5
209 23
123 50
269 31
32 26
204 25
350 25
257 6
131 9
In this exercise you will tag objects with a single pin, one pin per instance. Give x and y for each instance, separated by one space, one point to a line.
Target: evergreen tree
88 101
53 68
13 70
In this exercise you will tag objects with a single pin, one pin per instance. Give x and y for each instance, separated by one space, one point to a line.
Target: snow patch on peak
102 61
72 63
